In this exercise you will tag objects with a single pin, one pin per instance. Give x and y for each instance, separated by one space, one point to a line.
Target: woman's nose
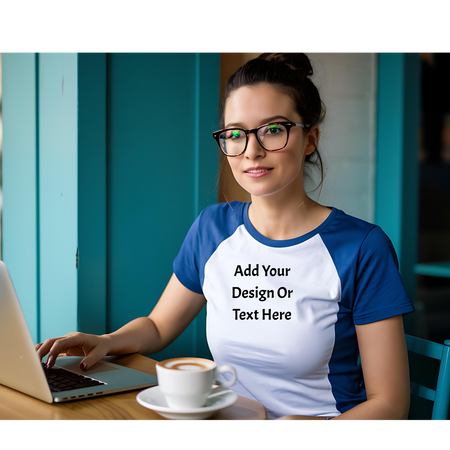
254 148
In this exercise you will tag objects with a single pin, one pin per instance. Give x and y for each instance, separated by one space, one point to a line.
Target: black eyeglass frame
288 125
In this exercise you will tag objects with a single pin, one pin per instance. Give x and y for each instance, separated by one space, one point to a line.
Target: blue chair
441 395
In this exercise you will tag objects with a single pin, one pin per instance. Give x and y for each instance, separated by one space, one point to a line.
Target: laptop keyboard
62 380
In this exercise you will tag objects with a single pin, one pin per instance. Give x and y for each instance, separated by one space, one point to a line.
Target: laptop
22 370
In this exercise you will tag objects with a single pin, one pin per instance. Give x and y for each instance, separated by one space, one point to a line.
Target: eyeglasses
272 137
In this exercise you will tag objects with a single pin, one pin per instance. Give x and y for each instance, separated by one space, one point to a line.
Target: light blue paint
19 181
58 109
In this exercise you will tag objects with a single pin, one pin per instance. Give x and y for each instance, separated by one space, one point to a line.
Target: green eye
236 134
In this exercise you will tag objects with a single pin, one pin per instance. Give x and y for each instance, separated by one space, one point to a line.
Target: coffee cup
187 382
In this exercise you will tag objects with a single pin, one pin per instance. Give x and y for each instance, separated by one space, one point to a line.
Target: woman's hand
175 310
93 347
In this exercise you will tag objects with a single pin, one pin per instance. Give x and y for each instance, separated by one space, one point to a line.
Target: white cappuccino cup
187 382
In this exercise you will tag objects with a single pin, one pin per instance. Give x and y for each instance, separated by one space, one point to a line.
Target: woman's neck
286 218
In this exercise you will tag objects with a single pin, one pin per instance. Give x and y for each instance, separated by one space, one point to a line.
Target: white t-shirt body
283 313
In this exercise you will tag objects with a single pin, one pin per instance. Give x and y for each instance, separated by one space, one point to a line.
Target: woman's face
259 172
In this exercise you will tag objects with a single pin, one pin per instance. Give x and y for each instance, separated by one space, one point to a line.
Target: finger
61 345
45 347
95 355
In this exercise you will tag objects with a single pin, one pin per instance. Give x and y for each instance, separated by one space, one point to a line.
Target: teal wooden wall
58 200
20 181
397 160
162 169
117 161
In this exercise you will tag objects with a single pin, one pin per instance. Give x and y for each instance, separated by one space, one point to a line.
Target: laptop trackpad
96 368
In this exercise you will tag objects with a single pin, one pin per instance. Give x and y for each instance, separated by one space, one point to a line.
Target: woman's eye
272 129
233 134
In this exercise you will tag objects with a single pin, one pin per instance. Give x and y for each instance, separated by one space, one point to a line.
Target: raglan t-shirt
283 313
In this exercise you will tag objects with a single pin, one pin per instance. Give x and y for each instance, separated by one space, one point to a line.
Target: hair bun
296 61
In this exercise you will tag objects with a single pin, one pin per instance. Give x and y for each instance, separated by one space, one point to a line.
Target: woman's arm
384 361
175 310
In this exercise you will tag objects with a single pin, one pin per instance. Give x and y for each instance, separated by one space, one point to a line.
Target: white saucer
220 398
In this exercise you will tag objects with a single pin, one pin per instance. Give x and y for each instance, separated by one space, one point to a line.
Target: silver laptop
21 369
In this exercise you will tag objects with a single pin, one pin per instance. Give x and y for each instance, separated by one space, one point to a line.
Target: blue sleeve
214 224
379 290
186 263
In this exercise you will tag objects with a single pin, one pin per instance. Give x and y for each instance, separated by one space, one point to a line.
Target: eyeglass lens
272 137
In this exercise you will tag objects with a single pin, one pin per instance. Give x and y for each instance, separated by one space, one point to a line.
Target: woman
294 290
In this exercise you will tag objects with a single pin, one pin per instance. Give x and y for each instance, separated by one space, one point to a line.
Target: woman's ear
312 139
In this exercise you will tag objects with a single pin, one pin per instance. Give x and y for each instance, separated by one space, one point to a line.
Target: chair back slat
422 391
424 347
441 404
441 396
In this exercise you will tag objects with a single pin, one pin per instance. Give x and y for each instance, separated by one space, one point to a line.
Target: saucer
220 398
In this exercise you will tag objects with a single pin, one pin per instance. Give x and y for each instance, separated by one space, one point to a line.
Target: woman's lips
257 172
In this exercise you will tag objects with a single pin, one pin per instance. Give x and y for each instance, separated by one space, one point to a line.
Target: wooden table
16 406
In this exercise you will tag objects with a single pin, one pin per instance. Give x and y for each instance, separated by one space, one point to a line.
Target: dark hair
290 74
